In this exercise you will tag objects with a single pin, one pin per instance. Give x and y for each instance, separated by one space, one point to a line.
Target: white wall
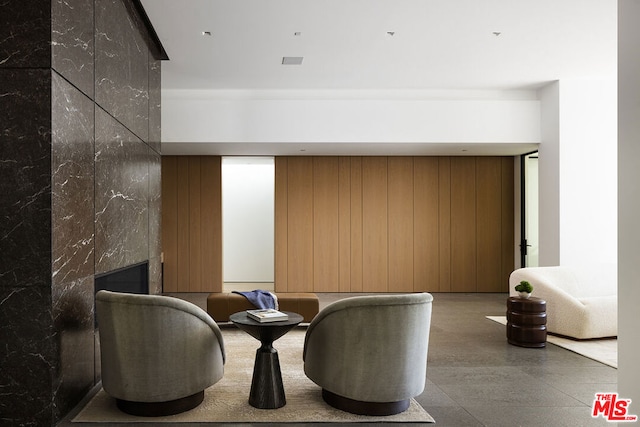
588 172
578 173
549 176
629 201
345 116
248 219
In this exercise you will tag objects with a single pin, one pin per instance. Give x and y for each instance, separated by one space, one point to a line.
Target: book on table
267 315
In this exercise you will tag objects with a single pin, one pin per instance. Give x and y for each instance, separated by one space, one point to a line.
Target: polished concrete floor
475 378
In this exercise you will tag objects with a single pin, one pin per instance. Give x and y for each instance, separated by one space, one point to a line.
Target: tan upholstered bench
221 305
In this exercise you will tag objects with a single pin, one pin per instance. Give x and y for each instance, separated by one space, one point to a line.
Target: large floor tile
586 393
453 416
434 396
592 374
509 394
479 375
514 416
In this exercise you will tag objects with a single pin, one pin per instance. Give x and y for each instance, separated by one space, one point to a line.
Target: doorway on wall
248 197
529 244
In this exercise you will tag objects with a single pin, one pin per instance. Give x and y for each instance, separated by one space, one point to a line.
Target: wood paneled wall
192 223
394 224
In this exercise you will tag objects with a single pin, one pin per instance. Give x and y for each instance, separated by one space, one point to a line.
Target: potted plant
524 289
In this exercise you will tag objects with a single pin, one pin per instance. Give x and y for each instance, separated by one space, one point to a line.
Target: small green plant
524 286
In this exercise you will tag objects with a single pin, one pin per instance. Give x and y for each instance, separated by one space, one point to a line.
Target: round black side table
267 390
527 322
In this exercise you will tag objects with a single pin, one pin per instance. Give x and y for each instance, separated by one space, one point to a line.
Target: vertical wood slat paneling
508 222
444 222
400 223
192 224
344 224
356 225
374 225
211 223
488 223
281 224
169 223
325 224
182 258
426 259
440 214
300 225
463 224
195 230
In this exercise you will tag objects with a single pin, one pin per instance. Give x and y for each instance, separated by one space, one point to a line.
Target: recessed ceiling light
292 60
206 33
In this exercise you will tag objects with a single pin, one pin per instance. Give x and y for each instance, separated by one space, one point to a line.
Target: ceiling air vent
291 60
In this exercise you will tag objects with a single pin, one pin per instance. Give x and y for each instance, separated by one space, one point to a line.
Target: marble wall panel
72 240
121 67
72 118
28 356
155 135
155 205
155 276
25 33
73 315
72 45
54 159
122 195
25 178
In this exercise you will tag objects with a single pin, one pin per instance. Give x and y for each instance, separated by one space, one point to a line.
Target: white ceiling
437 44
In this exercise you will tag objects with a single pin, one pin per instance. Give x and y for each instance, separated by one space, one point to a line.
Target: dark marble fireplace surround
79 185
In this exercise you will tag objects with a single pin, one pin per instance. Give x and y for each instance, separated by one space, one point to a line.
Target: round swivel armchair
369 353
158 353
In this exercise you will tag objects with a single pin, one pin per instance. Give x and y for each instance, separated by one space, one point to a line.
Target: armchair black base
160 409
364 408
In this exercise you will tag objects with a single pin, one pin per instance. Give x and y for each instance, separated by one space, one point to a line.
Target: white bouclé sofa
582 302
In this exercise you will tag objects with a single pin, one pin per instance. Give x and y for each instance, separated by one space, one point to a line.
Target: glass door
529 203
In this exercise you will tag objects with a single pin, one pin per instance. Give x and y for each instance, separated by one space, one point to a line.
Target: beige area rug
227 400
601 350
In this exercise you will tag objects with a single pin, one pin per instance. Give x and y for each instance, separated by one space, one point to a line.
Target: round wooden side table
527 322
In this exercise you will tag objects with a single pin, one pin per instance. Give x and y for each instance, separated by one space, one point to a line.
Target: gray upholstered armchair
369 353
158 353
